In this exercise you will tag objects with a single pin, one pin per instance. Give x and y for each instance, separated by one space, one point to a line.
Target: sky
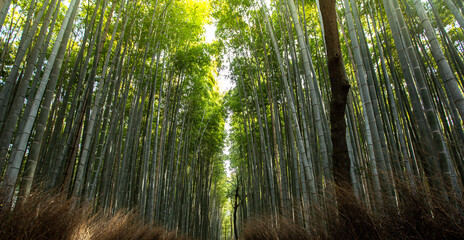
224 85
223 82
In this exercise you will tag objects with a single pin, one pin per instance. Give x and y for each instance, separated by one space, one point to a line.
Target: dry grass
415 220
52 216
261 228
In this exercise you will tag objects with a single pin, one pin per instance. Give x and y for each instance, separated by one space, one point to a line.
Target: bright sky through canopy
223 82
224 85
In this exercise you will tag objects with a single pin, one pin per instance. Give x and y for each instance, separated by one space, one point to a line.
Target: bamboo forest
231 119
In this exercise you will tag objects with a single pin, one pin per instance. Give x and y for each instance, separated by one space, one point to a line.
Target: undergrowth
51 216
417 216
45 215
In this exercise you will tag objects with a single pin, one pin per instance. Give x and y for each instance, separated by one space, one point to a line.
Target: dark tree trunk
236 205
340 88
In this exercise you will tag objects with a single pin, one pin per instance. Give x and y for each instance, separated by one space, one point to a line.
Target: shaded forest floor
417 216
52 216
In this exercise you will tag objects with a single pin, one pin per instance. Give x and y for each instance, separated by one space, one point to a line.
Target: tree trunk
340 88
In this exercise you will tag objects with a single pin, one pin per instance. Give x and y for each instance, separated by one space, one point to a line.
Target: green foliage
163 43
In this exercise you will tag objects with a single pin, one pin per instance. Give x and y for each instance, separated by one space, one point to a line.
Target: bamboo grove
114 102
404 113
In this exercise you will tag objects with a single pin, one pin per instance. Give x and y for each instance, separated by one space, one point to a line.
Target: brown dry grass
415 220
51 216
